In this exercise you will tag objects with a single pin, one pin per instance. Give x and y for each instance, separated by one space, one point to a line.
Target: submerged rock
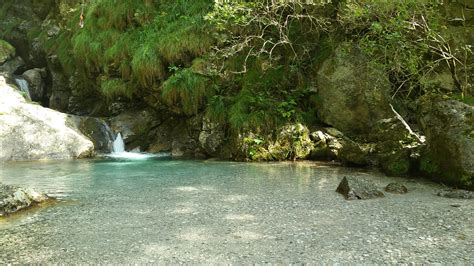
31 132
355 188
13 199
396 188
456 194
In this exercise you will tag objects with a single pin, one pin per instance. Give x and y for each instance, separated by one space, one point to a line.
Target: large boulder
449 129
31 132
13 199
352 94
356 188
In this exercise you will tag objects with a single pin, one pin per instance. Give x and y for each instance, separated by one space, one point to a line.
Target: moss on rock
7 51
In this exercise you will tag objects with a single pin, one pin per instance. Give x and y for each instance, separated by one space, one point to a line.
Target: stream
161 210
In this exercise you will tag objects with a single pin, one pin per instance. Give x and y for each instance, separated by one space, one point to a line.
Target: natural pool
162 210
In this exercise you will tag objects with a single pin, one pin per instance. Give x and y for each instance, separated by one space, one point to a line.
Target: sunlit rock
31 132
13 199
356 188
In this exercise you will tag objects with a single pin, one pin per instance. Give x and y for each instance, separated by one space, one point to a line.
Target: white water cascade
118 151
118 145
23 85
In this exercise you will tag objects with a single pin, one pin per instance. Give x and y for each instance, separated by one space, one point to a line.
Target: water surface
161 210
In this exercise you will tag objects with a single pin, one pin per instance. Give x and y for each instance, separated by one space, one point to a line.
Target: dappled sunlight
194 234
156 249
183 210
187 189
235 198
240 217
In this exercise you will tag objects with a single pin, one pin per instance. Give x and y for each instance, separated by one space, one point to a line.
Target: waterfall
23 84
119 153
118 145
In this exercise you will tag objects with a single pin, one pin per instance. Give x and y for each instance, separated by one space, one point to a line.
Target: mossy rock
449 155
396 164
7 51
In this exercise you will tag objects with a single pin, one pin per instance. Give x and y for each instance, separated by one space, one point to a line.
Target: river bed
186 211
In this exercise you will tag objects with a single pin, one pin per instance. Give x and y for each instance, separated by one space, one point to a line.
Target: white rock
31 132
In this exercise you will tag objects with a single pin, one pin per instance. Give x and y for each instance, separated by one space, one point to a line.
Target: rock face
352 95
355 188
135 127
211 137
13 199
449 129
98 131
35 78
31 132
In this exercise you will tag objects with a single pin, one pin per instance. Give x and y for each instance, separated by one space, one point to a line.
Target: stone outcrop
31 132
13 199
449 129
352 95
356 188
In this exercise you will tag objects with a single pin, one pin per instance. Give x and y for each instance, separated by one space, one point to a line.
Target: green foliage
6 50
402 37
133 41
115 87
292 142
186 90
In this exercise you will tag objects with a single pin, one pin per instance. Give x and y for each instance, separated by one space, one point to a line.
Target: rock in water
396 188
355 188
13 199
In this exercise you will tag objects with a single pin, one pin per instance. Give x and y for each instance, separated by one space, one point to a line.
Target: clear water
175 211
